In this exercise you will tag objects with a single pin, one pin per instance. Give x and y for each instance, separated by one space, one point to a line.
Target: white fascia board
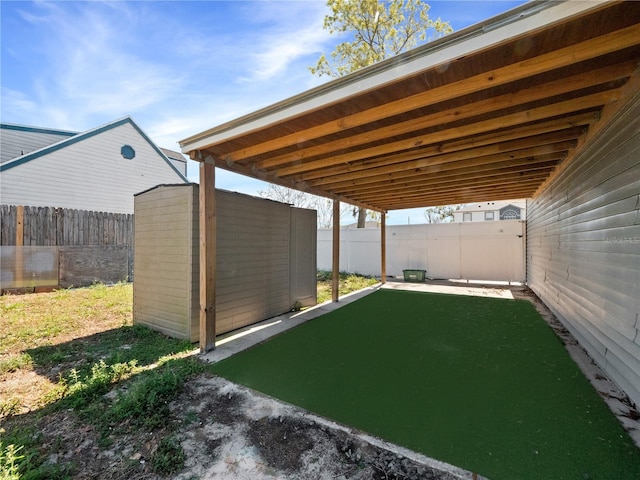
533 16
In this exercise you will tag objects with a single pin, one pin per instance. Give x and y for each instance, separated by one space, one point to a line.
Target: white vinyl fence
493 251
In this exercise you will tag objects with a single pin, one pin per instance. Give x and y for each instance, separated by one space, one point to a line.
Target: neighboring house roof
72 138
100 169
19 140
173 155
484 206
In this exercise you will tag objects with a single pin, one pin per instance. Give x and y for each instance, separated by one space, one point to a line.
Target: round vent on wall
127 152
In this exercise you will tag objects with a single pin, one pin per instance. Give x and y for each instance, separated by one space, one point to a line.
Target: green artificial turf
480 383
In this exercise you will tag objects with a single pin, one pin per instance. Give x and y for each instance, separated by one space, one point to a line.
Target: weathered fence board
85 265
86 246
50 226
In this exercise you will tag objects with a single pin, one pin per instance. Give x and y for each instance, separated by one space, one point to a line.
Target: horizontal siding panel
253 243
73 177
583 249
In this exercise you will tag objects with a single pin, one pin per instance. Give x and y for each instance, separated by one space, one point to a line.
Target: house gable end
84 136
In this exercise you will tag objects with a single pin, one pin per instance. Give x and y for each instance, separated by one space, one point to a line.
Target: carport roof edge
369 77
487 113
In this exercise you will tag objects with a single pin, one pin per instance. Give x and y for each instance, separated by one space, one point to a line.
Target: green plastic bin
414 275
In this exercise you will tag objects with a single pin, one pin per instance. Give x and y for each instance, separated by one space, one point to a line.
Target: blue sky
177 68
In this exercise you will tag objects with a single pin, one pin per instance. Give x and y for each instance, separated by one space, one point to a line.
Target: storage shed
266 259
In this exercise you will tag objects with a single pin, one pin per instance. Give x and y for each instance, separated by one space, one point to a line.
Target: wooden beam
383 248
507 150
571 54
595 100
497 180
207 197
19 265
420 181
455 114
515 181
335 260
465 196
285 182
19 225
609 112
522 137
417 167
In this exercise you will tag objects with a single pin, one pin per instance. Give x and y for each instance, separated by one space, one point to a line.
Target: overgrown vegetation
115 378
73 357
349 282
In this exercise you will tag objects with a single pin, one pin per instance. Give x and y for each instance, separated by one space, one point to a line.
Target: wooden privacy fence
51 247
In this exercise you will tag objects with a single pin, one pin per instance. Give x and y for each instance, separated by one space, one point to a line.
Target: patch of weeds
135 342
20 459
9 457
78 390
13 363
169 457
9 407
145 403
348 282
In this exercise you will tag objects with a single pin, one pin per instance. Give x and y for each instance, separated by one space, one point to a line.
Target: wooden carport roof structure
487 113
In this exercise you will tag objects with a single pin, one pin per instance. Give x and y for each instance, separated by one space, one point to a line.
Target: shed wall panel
253 259
162 254
583 249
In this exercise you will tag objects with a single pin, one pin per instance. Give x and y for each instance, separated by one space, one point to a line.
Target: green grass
86 336
349 282
481 383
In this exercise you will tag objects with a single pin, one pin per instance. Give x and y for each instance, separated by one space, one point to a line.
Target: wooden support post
383 247
19 225
207 256
19 266
335 264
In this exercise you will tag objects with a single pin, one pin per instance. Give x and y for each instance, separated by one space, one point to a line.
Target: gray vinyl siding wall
583 249
253 260
20 141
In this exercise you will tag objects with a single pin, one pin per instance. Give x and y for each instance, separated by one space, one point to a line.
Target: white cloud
294 31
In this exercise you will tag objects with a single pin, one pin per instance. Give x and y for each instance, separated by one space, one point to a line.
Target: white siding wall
89 175
475 251
583 249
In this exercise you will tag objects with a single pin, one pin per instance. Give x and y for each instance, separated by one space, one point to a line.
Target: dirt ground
228 431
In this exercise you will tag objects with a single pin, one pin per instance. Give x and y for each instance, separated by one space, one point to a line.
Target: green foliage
441 213
9 457
8 407
12 363
348 282
80 390
146 402
169 457
377 30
